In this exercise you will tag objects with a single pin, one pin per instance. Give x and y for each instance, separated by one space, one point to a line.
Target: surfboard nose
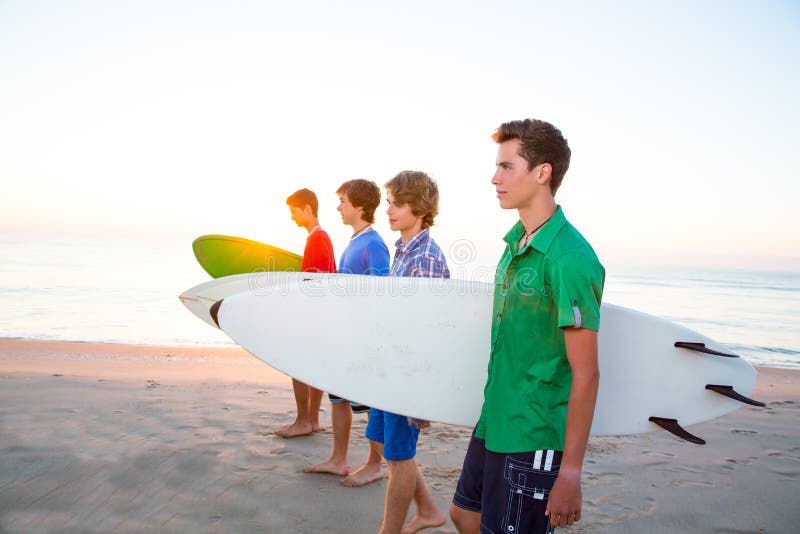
214 311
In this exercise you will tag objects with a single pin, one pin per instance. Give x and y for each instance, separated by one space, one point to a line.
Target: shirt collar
413 243
542 239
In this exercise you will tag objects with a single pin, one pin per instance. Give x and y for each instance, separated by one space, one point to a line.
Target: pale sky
175 119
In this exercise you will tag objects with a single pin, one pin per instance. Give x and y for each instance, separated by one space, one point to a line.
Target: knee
401 465
465 521
457 516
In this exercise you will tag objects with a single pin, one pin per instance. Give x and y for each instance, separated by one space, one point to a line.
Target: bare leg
336 464
428 514
314 402
302 423
465 521
372 469
399 492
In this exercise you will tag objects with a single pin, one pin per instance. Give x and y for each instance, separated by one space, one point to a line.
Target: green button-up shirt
553 282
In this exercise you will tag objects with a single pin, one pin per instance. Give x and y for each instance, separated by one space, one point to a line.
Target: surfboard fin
728 391
672 426
214 311
701 347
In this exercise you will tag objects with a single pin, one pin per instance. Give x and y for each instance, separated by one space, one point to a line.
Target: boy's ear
544 174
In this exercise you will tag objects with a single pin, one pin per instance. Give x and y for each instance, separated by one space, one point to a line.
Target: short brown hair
541 142
362 194
302 198
419 191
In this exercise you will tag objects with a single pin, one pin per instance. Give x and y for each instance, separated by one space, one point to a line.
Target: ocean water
126 292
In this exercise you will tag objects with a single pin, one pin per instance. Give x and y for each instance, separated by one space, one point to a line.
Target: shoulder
571 260
578 265
319 237
431 261
374 241
377 252
569 246
434 252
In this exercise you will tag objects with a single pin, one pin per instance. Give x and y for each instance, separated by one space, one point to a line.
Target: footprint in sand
787 472
151 384
742 431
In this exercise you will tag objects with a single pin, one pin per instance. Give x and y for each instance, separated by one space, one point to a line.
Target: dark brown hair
302 198
362 194
541 142
419 191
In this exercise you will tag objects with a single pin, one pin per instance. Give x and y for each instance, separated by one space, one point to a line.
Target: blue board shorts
354 406
510 491
399 439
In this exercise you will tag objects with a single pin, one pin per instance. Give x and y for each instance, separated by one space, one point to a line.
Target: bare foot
364 476
294 430
317 428
328 467
422 522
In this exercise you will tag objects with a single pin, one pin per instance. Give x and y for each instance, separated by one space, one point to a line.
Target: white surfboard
420 347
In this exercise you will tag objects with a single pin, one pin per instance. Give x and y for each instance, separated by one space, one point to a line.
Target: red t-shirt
318 256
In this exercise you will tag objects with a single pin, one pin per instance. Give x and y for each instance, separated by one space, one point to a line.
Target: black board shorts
354 406
510 491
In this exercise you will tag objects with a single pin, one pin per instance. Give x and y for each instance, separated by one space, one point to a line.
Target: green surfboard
224 255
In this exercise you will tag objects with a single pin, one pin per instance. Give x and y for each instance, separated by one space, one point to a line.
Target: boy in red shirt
317 258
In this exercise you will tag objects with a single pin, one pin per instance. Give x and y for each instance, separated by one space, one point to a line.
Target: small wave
788 352
700 323
748 286
774 350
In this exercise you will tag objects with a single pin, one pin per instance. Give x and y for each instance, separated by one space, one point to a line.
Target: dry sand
118 438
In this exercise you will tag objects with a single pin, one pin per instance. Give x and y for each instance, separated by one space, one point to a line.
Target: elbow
588 379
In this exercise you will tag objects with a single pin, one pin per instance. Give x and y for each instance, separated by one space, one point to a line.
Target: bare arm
564 505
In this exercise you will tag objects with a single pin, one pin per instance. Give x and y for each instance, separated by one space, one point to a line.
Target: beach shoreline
108 437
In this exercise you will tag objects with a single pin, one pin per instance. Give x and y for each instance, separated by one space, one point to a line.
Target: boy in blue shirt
366 254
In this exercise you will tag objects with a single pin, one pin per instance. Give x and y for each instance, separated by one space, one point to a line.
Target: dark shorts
357 408
399 439
510 491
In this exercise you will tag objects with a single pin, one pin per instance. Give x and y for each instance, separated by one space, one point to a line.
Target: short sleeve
578 287
377 259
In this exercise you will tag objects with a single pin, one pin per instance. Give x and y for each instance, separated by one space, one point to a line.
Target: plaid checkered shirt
420 257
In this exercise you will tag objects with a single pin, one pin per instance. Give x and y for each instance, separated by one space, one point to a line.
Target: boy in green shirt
522 470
